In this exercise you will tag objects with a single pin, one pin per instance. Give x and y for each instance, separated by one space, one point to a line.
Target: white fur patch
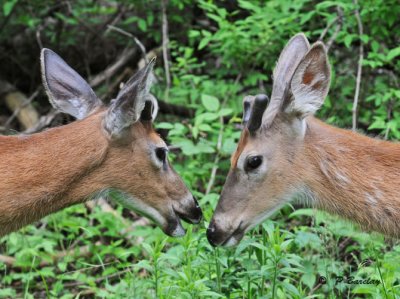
370 199
231 242
342 178
135 204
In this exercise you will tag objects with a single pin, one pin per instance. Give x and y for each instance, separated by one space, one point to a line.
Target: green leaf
375 46
8 7
205 128
393 53
142 25
211 103
364 38
348 39
204 42
165 125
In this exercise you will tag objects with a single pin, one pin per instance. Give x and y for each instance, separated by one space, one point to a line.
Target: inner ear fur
310 82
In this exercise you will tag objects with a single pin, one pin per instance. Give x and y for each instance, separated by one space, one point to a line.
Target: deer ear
288 61
68 92
310 82
150 110
127 108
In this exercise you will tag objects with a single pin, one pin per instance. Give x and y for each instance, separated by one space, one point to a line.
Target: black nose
212 234
196 211
191 213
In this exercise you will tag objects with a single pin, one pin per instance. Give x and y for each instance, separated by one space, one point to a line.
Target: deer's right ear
127 108
310 82
68 92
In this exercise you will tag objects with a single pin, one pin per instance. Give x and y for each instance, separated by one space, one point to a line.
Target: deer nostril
211 236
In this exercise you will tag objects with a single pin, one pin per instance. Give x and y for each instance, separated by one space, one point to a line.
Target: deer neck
42 173
354 176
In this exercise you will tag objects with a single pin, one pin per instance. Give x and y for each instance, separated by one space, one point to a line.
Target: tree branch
359 68
135 39
113 68
165 43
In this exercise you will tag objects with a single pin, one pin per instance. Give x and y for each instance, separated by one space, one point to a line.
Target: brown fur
336 170
48 171
308 77
242 143
369 195
342 171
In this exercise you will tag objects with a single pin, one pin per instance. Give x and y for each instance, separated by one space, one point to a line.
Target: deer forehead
146 135
156 139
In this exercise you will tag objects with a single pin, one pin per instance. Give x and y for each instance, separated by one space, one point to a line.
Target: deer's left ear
310 82
68 92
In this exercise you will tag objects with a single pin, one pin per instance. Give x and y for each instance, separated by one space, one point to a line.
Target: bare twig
339 23
135 39
165 42
222 120
113 68
17 102
216 160
44 122
325 31
359 68
39 38
23 105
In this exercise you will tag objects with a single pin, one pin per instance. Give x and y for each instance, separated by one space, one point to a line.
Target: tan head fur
290 154
108 148
265 169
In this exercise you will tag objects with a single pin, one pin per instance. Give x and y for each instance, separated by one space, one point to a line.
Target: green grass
283 258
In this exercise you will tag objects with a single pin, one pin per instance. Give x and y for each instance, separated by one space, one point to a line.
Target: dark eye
161 153
253 163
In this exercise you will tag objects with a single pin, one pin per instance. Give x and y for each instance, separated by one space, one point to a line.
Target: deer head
135 159
264 174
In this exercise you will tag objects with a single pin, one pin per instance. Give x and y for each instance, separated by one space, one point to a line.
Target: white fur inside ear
155 106
310 82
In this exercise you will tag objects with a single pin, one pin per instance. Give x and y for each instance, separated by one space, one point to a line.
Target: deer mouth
174 227
191 214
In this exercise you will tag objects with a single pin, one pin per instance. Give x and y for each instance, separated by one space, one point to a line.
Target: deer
284 153
112 147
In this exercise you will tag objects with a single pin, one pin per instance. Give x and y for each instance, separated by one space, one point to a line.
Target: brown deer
107 148
285 153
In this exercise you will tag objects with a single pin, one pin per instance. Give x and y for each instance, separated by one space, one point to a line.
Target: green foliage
219 53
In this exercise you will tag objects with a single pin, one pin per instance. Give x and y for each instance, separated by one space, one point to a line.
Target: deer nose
190 212
214 235
196 212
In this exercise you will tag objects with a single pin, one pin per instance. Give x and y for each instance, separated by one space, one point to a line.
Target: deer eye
253 163
161 153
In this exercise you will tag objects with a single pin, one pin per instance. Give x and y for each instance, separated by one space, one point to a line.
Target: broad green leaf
8 7
393 53
211 103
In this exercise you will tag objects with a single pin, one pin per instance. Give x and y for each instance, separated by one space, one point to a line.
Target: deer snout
219 236
215 235
189 210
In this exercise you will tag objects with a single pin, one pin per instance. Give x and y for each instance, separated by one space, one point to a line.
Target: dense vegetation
218 52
